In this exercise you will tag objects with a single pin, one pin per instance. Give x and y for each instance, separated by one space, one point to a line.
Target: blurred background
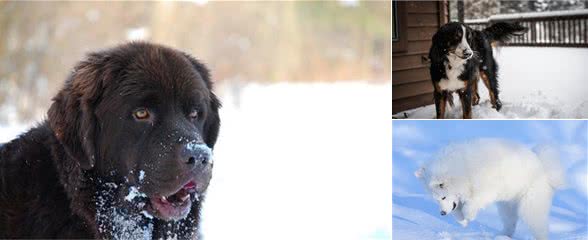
303 151
476 9
263 42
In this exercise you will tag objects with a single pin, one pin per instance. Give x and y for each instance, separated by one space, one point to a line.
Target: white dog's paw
464 222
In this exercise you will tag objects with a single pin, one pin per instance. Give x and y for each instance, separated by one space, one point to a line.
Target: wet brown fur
49 175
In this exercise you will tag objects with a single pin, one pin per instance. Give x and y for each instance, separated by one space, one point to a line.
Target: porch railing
546 29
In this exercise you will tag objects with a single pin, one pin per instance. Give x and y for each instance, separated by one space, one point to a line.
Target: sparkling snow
133 193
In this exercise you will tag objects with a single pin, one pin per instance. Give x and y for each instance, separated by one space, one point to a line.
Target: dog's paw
464 222
498 105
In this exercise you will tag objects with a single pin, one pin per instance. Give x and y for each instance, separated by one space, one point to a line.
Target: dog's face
453 40
147 119
441 191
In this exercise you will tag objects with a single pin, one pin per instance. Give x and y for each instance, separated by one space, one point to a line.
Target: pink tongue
190 185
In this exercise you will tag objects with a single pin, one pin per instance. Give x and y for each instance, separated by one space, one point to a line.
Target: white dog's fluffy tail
549 157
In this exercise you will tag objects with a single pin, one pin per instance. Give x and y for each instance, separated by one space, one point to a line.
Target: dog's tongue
190 185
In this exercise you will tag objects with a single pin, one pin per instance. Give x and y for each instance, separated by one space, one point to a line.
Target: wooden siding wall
411 84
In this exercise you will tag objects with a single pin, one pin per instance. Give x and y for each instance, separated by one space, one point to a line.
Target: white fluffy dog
467 177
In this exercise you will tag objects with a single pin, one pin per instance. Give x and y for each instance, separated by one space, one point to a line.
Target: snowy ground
546 82
299 161
416 215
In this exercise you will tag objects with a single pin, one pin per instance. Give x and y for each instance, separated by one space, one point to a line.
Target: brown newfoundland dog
125 153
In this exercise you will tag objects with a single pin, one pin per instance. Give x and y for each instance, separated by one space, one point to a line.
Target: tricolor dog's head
452 40
443 190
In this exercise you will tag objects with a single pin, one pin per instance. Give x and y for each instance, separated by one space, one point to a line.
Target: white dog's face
441 192
447 201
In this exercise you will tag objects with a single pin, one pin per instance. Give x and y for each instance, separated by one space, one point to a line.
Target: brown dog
125 151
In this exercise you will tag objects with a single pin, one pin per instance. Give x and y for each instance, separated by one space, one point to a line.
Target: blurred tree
460 11
481 9
240 41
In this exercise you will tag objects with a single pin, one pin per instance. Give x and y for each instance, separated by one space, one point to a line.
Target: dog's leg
470 210
465 96
475 96
534 208
458 213
440 102
509 214
492 84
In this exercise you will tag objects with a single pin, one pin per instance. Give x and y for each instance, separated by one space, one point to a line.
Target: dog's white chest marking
453 69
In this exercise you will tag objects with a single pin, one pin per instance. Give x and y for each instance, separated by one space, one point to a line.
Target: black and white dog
461 55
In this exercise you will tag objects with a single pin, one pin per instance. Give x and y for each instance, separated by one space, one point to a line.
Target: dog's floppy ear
71 116
437 52
436 55
212 123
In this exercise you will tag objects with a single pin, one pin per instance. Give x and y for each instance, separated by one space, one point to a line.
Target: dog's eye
443 198
141 114
441 185
193 114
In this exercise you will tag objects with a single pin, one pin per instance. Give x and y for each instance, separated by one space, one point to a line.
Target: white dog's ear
420 173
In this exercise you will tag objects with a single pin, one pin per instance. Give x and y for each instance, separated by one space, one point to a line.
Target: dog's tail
504 31
549 157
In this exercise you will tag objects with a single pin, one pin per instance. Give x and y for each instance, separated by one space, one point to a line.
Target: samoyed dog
466 177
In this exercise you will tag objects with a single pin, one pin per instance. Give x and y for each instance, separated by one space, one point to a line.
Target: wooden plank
443 7
407 62
419 46
410 76
422 7
422 20
421 33
411 53
404 104
411 89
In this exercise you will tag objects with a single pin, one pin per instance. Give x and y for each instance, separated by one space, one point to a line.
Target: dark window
394 21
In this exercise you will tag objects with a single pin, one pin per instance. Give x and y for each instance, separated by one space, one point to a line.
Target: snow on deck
535 82
527 15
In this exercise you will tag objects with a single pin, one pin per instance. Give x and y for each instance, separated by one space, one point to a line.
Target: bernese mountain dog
461 55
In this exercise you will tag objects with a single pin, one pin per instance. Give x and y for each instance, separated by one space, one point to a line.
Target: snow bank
539 83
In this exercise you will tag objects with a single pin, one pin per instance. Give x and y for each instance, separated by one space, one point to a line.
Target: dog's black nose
196 154
443 213
467 54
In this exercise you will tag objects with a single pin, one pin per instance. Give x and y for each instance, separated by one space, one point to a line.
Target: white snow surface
534 82
298 161
302 161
